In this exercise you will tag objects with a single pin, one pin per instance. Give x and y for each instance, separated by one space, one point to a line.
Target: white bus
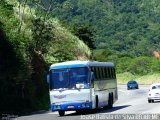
79 85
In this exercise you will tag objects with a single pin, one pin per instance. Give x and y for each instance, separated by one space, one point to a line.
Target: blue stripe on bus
67 66
71 106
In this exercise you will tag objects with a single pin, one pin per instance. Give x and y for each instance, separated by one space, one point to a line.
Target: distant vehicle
154 92
132 84
79 85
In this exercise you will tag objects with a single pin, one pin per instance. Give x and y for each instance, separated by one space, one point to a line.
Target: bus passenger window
96 73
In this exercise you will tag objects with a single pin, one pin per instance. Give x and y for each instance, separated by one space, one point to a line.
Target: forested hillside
119 25
117 30
29 44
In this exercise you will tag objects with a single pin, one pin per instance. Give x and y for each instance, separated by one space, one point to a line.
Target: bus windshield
68 78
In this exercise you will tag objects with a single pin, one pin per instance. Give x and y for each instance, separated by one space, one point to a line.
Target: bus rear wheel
97 101
110 101
61 113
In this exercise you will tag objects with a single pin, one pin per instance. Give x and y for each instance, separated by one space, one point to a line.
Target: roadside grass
123 78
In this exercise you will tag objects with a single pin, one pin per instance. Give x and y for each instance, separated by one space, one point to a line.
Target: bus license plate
70 106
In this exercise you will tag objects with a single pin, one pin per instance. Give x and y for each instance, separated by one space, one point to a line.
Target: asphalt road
129 102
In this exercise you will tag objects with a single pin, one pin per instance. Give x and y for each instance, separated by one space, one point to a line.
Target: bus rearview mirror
92 75
48 79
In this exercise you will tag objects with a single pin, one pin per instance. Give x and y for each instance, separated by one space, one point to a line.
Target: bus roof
78 63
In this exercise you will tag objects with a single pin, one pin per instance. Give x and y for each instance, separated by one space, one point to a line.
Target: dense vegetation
120 25
123 31
29 43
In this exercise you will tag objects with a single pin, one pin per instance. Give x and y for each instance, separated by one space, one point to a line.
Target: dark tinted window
104 73
156 87
132 82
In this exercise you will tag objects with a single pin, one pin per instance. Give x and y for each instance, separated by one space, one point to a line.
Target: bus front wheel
97 101
61 112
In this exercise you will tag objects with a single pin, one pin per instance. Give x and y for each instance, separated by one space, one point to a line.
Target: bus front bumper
71 106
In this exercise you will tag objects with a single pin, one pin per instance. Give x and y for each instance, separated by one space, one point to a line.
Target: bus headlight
58 107
87 105
83 105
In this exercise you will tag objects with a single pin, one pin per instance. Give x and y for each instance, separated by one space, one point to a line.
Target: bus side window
92 75
110 74
106 73
96 73
114 72
111 70
101 72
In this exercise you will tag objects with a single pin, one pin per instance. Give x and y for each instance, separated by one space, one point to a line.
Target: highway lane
129 102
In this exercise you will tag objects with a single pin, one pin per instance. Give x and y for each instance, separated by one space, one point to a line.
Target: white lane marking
53 113
124 91
67 112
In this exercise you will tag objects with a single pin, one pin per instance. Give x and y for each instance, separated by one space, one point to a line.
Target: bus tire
81 112
110 101
97 101
61 113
